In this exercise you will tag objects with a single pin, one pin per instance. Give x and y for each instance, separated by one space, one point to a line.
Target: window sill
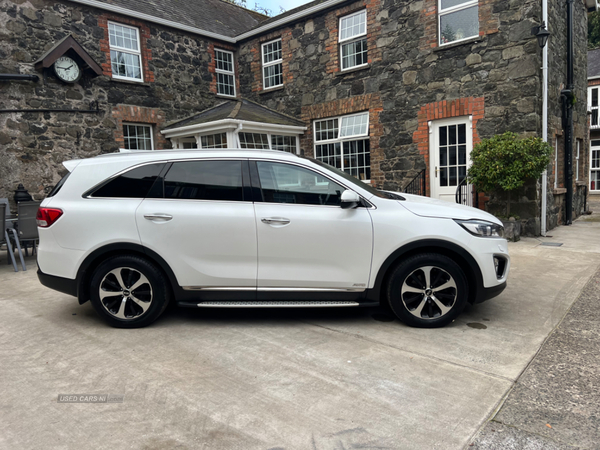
354 69
581 183
227 97
559 191
135 83
273 89
440 48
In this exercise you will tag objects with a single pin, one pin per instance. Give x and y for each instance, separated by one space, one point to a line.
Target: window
284 143
286 183
254 140
135 183
458 20
214 140
593 107
272 64
452 154
189 144
137 137
224 68
343 142
595 166
205 180
125 54
577 159
353 40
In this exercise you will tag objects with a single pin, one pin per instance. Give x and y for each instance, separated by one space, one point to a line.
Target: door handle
275 220
158 216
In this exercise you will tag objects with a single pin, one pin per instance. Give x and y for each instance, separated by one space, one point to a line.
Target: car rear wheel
129 291
427 290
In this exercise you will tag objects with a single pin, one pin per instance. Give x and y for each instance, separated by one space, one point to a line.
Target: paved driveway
277 379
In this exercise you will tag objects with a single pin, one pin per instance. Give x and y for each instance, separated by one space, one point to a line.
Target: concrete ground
298 379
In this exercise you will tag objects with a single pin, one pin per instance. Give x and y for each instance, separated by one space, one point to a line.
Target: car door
305 239
203 224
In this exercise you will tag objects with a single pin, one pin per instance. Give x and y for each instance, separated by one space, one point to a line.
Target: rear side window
56 188
205 180
132 184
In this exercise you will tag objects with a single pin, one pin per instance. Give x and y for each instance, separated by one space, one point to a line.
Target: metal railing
417 185
466 194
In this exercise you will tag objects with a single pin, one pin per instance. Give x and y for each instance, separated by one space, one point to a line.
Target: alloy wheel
429 292
125 293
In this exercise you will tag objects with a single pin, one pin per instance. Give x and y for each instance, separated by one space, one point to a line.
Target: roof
215 16
239 109
291 12
594 63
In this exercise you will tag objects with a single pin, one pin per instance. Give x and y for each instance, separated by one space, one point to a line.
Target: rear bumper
60 284
488 293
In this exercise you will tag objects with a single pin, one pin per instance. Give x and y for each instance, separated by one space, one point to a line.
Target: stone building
390 91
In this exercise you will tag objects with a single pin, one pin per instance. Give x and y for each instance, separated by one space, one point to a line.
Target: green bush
504 162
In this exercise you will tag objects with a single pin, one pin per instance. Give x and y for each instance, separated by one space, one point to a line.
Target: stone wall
177 83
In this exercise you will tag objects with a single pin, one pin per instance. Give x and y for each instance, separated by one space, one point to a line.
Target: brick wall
212 66
285 35
123 114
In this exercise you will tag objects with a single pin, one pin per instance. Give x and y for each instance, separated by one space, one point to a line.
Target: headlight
482 228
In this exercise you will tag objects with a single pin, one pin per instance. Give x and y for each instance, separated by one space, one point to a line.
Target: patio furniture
27 225
5 239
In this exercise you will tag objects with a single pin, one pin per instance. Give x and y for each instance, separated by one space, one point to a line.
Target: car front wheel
129 291
427 290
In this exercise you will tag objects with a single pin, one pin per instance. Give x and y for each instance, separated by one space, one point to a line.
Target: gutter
232 40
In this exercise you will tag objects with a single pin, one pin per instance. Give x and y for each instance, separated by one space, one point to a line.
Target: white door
450 147
305 239
202 227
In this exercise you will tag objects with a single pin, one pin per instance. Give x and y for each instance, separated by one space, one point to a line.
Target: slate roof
240 110
289 13
216 16
594 63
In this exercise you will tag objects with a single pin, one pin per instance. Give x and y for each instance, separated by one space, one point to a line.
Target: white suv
243 228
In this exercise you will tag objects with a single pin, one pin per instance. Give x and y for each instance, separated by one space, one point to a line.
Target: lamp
541 33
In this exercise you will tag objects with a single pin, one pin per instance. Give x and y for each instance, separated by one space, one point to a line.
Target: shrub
504 162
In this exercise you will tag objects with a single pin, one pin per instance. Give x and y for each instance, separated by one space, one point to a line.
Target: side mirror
349 199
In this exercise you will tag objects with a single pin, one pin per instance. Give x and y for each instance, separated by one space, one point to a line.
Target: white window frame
577 159
296 137
128 51
271 63
453 9
341 140
145 125
556 162
225 72
592 168
199 140
594 108
351 39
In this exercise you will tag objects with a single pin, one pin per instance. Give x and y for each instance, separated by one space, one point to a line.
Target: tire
420 304
129 308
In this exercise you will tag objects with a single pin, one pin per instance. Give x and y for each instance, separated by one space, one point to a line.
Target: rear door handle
158 216
275 220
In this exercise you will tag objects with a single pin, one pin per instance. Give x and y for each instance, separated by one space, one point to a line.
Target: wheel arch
99 255
453 251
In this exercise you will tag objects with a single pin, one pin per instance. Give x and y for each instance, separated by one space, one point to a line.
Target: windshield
356 181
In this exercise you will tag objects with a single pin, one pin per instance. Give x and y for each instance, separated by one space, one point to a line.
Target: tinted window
205 180
133 184
286 183
56 188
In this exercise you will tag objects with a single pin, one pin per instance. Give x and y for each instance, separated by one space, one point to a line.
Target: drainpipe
18 77
567 97
236 133
544 118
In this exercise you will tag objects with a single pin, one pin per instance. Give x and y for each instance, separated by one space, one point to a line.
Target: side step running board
274 304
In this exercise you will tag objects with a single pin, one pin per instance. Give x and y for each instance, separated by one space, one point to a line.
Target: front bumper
487 293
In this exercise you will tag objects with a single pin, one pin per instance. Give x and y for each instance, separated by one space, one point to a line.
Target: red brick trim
489 22
332 21
286 55
103 19
369 102
468 106
593 82
138 114
212 66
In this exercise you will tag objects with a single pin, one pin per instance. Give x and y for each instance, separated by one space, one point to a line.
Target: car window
132 184
205 180
56 188
287 183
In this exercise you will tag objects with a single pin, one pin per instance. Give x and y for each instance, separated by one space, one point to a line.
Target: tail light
47 216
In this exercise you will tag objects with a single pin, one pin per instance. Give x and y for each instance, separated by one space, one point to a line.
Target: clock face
67 70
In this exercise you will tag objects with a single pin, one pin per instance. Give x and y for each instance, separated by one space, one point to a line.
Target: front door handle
158 216
275 220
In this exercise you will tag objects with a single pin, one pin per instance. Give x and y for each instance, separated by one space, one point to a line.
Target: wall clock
67 69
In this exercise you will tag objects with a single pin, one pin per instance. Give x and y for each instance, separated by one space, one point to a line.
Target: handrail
466 194
417 186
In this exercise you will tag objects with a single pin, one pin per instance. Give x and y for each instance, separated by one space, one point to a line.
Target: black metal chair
5 239
27 225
